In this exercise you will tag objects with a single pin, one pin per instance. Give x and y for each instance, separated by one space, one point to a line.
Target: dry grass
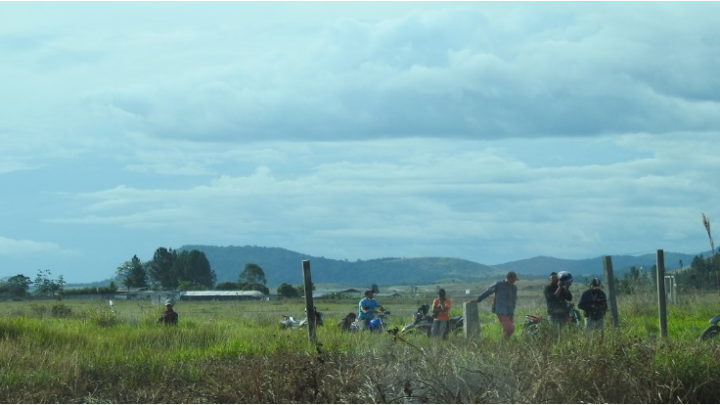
235 353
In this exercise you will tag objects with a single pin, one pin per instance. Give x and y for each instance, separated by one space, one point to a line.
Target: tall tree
46 285
287 291
193 268
160 268
252 274
132 273
17 285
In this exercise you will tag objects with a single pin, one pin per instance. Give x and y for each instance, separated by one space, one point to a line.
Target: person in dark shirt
594 302
557 296
169 316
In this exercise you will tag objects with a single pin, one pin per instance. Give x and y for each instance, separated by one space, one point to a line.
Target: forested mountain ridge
285 266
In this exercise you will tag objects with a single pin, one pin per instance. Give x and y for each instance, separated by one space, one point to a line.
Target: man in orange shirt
441 315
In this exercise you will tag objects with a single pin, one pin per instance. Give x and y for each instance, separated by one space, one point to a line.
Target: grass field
77 351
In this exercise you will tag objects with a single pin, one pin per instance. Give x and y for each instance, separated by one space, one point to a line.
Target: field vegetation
82 351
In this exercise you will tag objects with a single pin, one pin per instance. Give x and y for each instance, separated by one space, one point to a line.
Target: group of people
557 297
369 306
557 294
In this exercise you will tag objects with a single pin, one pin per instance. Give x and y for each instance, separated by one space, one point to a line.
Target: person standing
504 302
441 315
367 308
594 302
557 296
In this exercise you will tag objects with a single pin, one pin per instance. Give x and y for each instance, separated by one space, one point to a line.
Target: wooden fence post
471 326
309 306
662 311
610 280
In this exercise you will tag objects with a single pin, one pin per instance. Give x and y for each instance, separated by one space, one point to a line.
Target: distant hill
285 266
543 265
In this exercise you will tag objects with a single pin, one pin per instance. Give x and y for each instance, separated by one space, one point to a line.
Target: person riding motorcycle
367 308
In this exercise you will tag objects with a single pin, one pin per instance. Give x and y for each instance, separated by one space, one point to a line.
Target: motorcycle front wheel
417 331
711 332
576 318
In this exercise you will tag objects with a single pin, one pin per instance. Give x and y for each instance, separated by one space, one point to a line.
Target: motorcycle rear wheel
712 331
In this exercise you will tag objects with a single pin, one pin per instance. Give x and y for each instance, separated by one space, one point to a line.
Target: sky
490 132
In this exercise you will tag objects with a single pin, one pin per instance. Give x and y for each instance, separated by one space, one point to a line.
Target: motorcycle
378 324
422 322
532 322
289 322
713 330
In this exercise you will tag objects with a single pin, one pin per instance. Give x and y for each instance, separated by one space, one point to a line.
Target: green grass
222 352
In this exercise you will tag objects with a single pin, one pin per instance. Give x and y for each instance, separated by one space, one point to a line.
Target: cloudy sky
490 132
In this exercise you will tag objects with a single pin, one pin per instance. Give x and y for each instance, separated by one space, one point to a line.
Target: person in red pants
504 301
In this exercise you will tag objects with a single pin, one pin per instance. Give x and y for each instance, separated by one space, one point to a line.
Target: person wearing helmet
594 302
504 302
441 315
367 308
557 297
169 316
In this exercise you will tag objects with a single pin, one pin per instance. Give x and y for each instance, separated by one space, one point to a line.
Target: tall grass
235 352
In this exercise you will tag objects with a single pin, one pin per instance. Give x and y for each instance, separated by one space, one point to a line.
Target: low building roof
223 293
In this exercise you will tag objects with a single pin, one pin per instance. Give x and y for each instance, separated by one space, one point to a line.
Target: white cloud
486 131
423 192
23 247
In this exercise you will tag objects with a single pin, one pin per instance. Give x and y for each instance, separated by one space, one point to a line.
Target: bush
61 311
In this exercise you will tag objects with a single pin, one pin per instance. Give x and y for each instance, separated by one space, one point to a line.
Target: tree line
18 286
702 275
186 271
167 270
190 270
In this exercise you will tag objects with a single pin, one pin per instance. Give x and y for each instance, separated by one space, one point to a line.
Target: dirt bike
422 323
713 330
378 324
289 322
533 322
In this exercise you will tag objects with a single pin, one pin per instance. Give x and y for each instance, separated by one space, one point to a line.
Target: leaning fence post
610 280
471 326
309 306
